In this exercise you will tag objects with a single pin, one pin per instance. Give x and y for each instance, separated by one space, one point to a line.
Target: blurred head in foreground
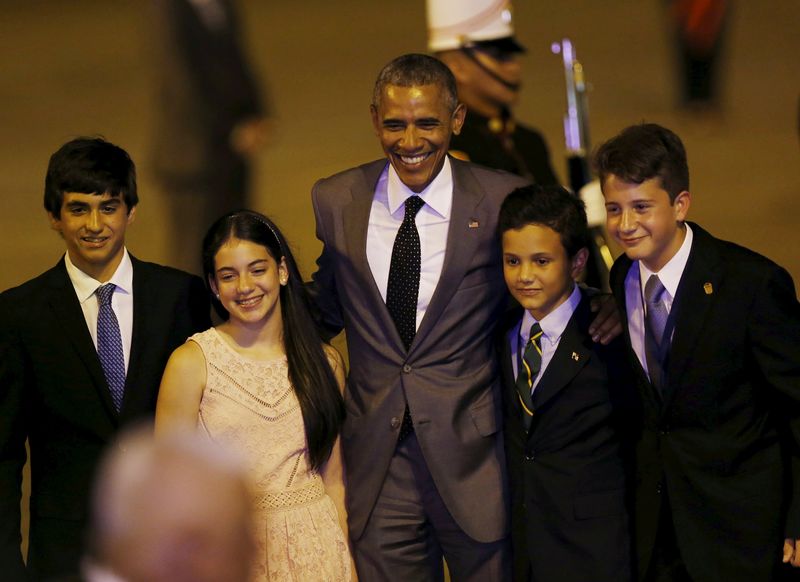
172 509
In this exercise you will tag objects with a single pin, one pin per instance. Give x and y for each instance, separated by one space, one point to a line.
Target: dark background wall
84 67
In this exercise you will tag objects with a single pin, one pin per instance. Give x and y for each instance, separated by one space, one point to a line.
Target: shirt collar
438 195
85 285
670 274
555 322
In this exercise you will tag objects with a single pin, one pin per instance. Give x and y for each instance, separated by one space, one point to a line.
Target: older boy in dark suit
82 350
563 397
714 336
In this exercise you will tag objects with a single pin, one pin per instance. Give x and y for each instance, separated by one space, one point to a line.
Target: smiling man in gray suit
411 270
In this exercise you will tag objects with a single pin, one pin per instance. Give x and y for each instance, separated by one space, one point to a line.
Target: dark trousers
666 564
410 531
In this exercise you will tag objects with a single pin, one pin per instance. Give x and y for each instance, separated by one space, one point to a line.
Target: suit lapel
355 220
462 243
619 274
572 354
508 352
693 299
142 289
69 315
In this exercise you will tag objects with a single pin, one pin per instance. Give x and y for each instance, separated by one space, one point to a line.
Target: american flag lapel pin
575 356
473 223
708 288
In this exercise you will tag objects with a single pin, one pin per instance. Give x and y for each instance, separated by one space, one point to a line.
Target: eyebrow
250 264
81 204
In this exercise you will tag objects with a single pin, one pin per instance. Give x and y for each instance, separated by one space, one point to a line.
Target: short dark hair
644 151
413 70
89 165
309 371
551 206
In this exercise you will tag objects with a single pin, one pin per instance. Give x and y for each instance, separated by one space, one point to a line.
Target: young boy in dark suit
563 394
714 339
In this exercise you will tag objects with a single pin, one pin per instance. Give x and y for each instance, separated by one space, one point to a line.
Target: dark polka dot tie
109 344
402 290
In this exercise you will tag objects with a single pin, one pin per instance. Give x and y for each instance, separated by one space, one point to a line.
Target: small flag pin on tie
575 356
473 223
708 288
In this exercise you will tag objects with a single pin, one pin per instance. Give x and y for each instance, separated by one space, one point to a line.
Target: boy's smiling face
643 219
538 272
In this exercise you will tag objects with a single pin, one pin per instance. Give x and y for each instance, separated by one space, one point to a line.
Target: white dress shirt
433 223
635 281
121 301
553 326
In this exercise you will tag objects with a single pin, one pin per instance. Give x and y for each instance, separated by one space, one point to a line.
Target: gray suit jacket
449 375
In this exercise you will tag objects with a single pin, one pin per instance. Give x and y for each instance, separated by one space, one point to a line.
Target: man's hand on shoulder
607 324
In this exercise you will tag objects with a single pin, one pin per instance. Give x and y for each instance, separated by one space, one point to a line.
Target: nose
410 139
627 221
526 273
245 283
93 222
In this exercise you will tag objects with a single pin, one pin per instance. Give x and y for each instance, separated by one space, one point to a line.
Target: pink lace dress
251 406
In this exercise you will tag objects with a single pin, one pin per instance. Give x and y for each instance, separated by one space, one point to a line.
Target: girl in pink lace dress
264 382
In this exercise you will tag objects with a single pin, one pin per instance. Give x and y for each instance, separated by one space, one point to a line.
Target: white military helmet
453 24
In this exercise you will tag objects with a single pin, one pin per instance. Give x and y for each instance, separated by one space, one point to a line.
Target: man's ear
579 262
131 215
376 123
459 115
55 221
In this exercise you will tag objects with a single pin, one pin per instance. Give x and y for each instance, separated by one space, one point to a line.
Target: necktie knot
413 205
104 293
653 290
536 333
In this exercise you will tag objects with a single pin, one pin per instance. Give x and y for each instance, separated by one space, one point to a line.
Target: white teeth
248 302
413 159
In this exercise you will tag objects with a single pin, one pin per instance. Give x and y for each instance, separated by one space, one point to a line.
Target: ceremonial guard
475 39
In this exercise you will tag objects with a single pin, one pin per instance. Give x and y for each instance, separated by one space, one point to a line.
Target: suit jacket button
406 369
658 488
395 422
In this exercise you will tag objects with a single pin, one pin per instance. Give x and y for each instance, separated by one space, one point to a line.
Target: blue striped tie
109 344
656 320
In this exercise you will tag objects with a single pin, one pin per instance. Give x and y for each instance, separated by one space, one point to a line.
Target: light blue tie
656 320
109 344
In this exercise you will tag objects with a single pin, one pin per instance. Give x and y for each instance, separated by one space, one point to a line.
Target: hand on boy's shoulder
607 324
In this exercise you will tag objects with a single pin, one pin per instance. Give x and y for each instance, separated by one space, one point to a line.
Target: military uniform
510 147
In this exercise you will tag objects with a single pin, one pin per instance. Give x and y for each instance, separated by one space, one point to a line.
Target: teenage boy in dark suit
563 398
82 350
714 338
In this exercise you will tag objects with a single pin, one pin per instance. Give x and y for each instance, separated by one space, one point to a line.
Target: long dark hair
309 370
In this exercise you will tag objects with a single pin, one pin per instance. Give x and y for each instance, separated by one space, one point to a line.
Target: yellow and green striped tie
530 366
